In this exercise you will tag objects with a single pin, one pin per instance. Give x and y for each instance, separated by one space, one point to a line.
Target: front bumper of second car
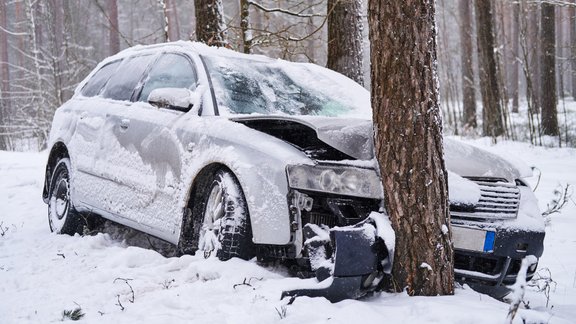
488 259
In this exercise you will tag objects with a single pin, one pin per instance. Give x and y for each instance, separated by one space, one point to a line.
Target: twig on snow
3 229
562 194
544 283
119 303
131 299
247 283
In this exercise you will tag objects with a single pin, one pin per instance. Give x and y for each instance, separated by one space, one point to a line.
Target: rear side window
122 83
98 80
170 71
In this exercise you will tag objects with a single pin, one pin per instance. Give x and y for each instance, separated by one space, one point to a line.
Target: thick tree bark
515 56
114 34
4 76
408 142
492 121
210 28
345 38
468 95
548 63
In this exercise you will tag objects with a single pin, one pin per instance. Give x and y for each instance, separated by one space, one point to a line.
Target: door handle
124 123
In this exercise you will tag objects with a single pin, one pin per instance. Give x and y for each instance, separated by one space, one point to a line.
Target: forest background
524 93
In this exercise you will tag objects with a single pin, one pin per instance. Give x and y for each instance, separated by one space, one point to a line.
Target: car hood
354 137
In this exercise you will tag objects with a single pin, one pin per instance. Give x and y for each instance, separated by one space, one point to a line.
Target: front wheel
225 224
62 217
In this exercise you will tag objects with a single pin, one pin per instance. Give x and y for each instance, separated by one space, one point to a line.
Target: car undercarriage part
349 261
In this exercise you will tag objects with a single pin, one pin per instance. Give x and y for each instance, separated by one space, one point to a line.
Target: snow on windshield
276 87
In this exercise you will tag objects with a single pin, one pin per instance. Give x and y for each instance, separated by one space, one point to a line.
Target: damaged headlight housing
336 179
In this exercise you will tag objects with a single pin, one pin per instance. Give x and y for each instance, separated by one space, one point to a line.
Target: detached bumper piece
348 261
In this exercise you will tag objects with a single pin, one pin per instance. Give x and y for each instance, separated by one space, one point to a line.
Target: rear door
91 110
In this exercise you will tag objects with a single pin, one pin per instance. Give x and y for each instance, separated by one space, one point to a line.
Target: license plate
473 239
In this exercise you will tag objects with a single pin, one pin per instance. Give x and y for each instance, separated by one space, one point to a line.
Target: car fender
257 160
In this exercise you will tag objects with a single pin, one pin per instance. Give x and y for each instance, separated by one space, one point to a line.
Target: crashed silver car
243 155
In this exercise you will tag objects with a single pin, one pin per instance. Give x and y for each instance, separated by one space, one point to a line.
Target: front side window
122 84
171 71
99 79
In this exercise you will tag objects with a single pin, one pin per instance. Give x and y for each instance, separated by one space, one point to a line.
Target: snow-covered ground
114 279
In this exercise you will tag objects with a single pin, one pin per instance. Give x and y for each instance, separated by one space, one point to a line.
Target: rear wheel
222 216
62 217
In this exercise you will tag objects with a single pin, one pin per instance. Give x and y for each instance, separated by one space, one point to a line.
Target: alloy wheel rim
214 208
62 198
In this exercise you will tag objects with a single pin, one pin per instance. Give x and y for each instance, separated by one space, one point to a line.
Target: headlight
343 180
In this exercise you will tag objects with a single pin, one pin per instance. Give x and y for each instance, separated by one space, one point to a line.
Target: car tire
62 216
224 219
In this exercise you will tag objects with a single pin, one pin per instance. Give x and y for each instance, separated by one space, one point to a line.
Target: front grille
499 200
483 264
487 269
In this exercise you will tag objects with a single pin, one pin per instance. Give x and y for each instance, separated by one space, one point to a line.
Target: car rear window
99 79
122 83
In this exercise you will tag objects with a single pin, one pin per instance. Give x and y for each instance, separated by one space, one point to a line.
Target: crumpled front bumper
348 265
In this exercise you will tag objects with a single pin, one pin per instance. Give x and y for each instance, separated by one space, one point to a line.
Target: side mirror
173 98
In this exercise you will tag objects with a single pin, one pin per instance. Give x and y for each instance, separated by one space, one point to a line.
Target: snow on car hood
354 137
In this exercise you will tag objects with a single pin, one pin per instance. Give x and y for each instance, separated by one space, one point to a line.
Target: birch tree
4 77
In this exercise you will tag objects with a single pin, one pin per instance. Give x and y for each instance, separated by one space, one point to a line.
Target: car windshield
277 87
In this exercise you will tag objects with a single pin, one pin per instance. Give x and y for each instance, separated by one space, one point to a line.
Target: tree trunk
114 34
572 14
534 39
57 11
245 25
468 95
210 28
559 39
4 77
548 63
345 38
171 13
492 121
171 28
515 55
408 142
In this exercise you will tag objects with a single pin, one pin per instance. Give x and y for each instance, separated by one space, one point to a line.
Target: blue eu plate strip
489 242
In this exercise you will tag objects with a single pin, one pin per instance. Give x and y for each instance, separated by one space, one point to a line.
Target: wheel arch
58 151
201 180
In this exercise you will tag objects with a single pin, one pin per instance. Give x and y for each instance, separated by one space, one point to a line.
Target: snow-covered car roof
310 76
